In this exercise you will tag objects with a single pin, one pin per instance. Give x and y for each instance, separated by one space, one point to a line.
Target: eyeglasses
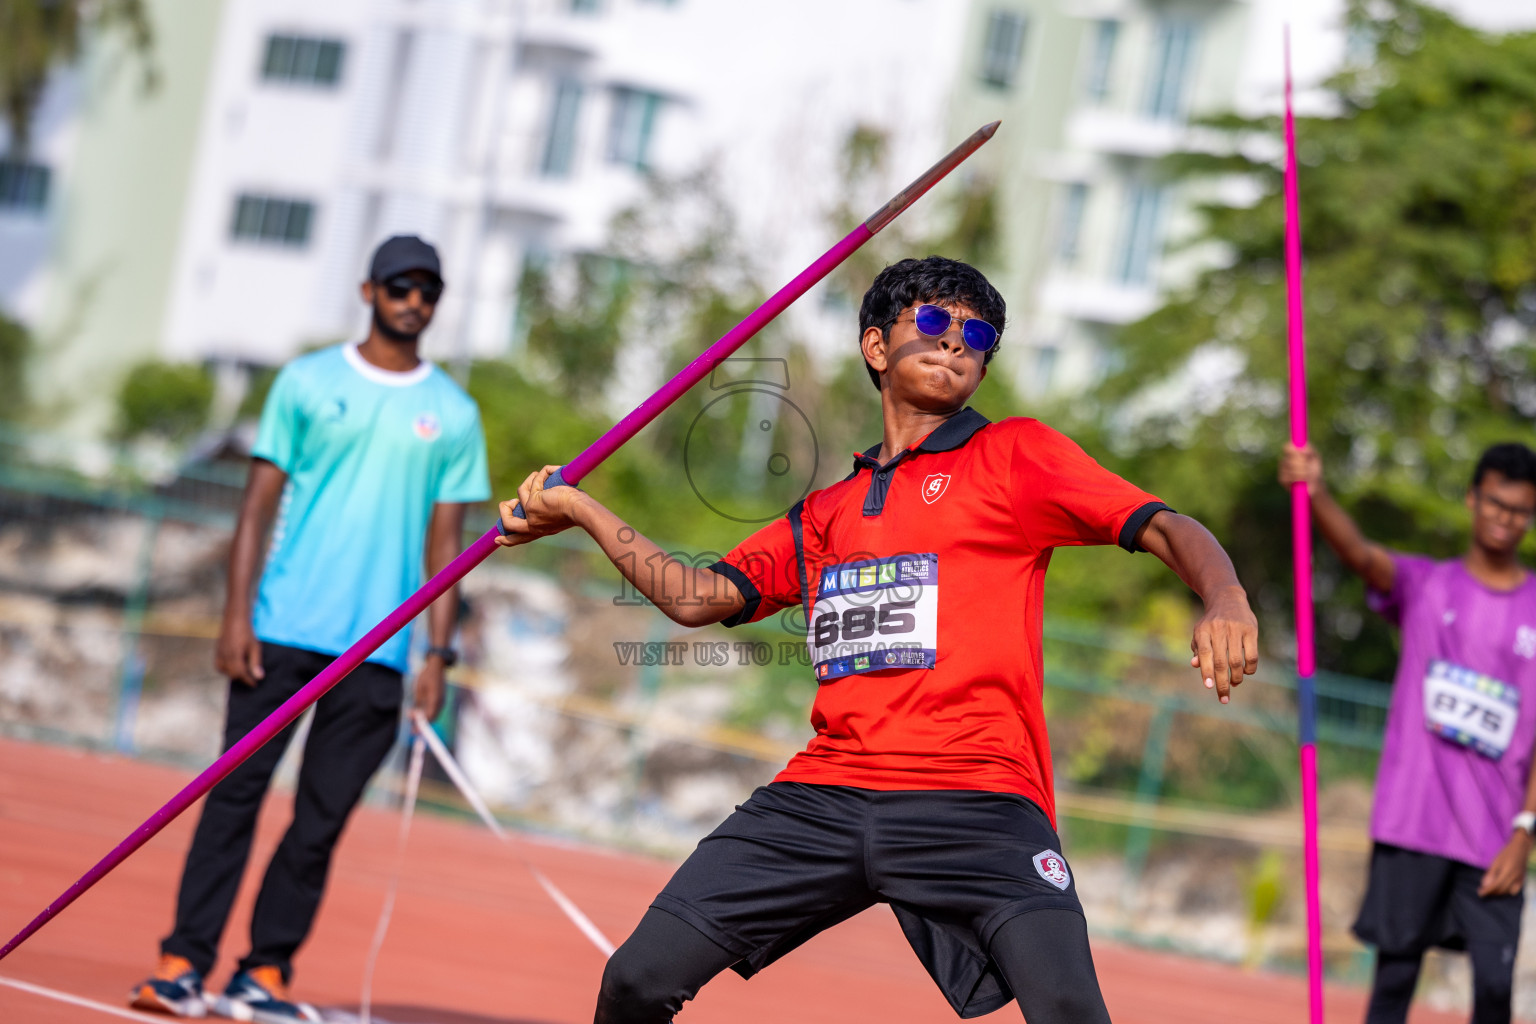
400 287
935 321
1509 513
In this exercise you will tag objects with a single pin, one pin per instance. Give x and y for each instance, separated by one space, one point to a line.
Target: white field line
89 1004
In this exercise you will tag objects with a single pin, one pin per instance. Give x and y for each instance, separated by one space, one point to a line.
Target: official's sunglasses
400 287
934 321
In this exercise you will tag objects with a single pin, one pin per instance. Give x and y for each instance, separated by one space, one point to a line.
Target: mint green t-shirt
368 452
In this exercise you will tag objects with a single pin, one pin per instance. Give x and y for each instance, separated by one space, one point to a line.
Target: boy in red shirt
928 784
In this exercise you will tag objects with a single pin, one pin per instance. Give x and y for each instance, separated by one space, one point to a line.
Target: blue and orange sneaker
175 988
259 995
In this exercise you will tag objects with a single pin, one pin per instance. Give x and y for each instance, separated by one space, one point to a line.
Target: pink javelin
572 474
1301 547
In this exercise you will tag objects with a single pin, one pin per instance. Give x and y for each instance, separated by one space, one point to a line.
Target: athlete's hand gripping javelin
686 594
544 511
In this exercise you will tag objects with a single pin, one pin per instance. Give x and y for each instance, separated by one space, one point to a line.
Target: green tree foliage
257 386
36 36
1418 209
673 278
167 400
15 345
576 335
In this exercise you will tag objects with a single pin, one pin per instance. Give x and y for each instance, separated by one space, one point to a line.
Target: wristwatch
1525 820
451 658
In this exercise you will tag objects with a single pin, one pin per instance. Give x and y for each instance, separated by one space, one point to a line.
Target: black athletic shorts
1418 900
955 865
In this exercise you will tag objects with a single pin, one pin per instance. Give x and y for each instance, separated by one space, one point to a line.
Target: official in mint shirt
368 452
363 465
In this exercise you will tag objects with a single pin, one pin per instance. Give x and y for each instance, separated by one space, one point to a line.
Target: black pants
1043 954
976 881
1493 971
1418 900
355 725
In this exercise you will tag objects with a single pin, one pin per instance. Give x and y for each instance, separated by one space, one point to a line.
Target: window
23 186
1172 63
1143 224
560 141
273 221
1045 368
402 62
1071 227
1003 48
300 60
1101 58
631 126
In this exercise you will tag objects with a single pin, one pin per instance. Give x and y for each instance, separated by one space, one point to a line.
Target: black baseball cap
401 254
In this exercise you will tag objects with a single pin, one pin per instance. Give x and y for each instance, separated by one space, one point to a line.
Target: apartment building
289 137
1097 93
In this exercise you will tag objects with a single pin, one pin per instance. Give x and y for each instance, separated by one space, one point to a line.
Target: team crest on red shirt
1053 868
934 485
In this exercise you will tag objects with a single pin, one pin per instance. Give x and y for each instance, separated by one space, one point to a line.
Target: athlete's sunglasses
935 321
400 287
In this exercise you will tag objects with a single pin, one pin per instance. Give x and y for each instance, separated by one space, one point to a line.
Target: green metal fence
1091 671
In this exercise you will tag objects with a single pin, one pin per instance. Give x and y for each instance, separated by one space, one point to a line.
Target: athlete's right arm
687 595
238 652
1369 560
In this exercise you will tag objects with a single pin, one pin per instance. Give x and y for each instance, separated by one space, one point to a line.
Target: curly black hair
933 279
1511 460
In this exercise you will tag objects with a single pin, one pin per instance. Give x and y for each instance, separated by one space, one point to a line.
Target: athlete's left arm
1506 875
445 536
1226 639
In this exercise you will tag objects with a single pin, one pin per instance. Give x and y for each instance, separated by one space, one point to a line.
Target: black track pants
1044 955
1492 985
354 726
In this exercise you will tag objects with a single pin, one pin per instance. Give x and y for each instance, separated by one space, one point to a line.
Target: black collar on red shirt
953 433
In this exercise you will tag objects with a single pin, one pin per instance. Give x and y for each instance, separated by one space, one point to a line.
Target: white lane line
572 912
89 1004
331 1016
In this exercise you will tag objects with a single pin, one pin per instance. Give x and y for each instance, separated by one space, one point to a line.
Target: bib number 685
888 619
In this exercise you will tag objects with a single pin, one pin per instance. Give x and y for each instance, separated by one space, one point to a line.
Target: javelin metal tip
907 196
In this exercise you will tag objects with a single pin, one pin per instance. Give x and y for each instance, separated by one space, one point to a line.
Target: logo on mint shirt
426 426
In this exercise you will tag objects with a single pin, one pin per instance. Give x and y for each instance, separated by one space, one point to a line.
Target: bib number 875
888 619
1489 719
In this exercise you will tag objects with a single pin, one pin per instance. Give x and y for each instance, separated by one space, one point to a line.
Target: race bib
875 614
1470 708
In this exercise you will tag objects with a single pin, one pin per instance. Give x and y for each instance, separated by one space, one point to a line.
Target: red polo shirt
926 579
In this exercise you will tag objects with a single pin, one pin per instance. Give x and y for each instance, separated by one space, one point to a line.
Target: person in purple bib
1455 803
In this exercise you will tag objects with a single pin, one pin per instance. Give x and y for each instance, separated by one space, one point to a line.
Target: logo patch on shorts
1053 868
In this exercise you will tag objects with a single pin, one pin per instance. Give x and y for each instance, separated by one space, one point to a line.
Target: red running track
474 939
